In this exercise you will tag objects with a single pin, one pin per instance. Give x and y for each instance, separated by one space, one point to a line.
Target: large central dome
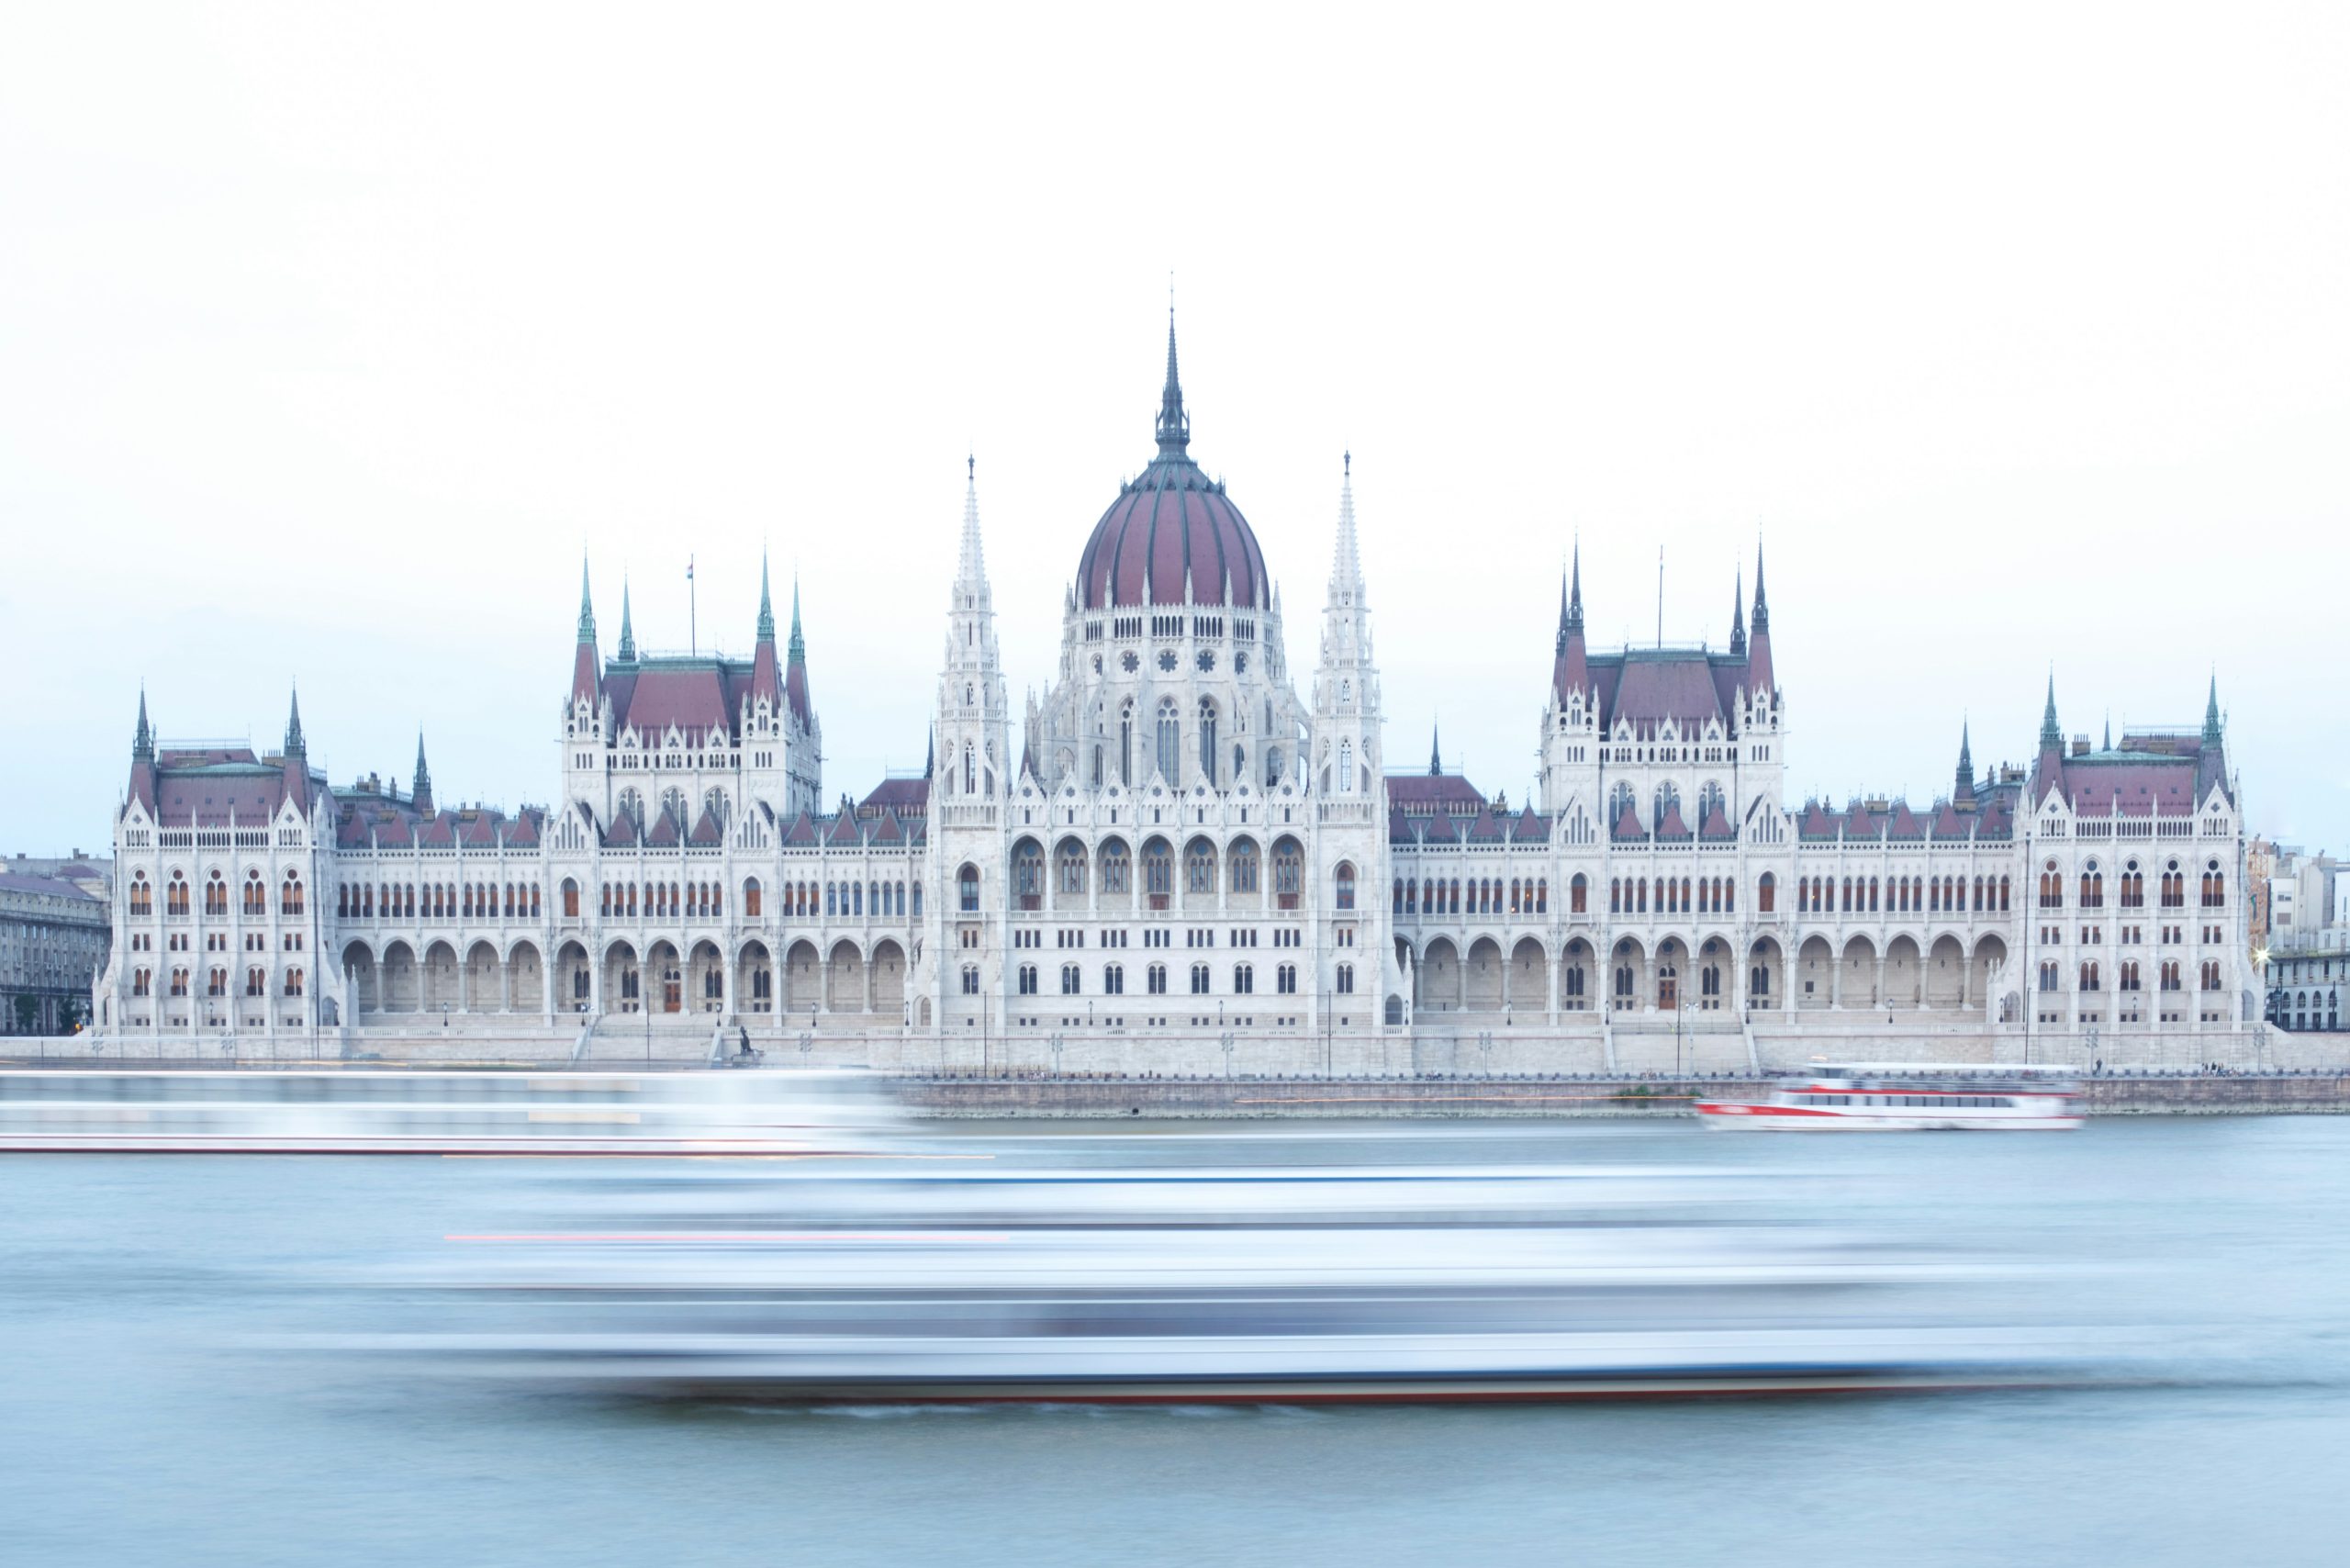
1172 537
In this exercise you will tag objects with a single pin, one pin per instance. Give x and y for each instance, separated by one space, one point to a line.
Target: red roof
907 797
1421 793
1170 521
1652 688
2156 786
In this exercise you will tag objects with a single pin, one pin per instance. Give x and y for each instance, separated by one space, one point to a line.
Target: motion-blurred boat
1357 1285
1894 1097
379 1111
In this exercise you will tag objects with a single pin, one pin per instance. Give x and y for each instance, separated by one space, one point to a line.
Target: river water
143 1418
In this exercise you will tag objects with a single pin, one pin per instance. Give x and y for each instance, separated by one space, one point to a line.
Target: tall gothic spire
1174 424
1965 779
1570 599
1762 678
1738 617
294 747
1436 751
627 654
971 565
2211 712
1345 561
142 740
422 788
1569 667
587 605
766 605
795 667
2050 734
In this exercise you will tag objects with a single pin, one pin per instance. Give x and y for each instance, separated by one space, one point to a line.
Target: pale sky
330 336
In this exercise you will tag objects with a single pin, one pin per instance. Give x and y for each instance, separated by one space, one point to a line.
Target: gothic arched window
1170 742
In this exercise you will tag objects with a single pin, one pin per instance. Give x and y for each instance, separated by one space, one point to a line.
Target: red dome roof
1172 523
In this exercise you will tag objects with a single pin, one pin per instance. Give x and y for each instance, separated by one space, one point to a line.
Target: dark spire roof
2211 712
2107 744
767 607
586 605
627 654
1436 753
1571 599
930 757
1762 600
1738 618
422 788
294 747
142 740
2050 734
1965 761
799 646
1174 425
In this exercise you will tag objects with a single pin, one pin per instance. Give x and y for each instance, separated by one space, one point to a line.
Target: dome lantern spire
1174 424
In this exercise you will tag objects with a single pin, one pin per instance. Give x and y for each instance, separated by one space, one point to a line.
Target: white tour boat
781 1111
856 1283
1908 1097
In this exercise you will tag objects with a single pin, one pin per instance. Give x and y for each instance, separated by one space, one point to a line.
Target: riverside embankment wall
2185 1095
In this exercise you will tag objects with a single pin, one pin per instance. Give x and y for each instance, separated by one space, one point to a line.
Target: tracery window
1170 742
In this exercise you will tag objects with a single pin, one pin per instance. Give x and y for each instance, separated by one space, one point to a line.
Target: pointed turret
972 715
143 758
297 764
2211 760
587 669
423 788
1346 560
1962 795
1346 679
2048 772
929 755
766 681
1174 424
1570 665
1761 680
1436 752
795 674
1738 617
2106 744
627 653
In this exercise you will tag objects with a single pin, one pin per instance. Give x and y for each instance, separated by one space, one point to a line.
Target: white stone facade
1190 862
